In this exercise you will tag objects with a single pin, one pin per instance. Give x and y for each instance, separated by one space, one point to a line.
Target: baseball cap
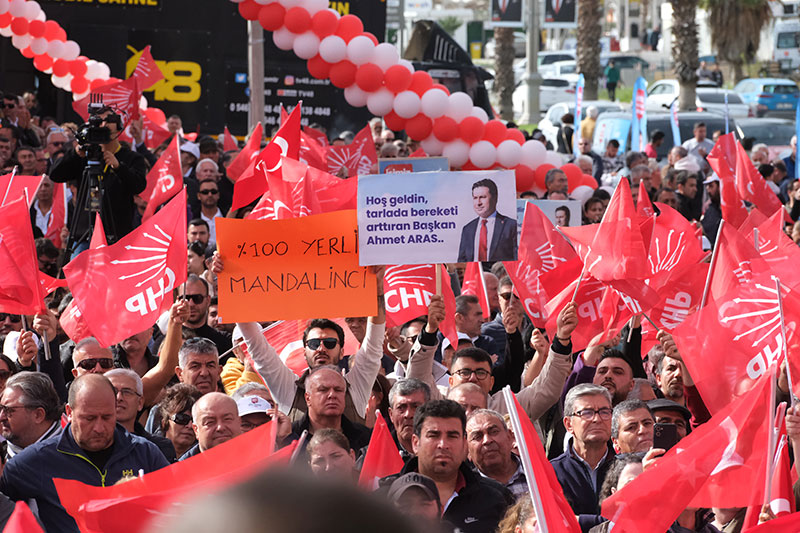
661 404
711 179
252 404
461 336
192 148
414 479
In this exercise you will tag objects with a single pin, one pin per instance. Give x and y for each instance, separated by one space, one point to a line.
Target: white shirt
42 219
692 146
489 233
212 227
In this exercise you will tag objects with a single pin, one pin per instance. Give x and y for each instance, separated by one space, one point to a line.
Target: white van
786 44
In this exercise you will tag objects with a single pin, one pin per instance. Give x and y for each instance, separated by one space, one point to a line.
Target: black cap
663 404
414 479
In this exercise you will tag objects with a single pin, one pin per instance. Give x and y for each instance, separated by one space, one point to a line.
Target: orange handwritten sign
292 269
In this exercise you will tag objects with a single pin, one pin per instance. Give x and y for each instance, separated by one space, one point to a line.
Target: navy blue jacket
576 481
29 475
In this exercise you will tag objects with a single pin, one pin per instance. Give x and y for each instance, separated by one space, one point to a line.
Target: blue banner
673 120
576 137
639 117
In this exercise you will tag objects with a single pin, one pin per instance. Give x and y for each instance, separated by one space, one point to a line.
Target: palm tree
684 50
590 16
736 29
504 71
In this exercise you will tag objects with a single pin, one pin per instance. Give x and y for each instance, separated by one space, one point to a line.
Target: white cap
252 404
461 336
192 148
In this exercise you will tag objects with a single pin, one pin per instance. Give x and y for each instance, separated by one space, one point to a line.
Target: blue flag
673 120
639 115
576 137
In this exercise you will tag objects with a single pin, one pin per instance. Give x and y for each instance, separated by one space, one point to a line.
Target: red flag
714 466
71 320
408 290
790 522
123 96
782 496
20 290
779 252
22 520
290 194
164 180
154 127
132 280
316 134
335 195
14 186
98 234
722 160
475 284
737 261
382 458
229 141
358 157
312 152
49 283
753 187
419 152
557 512
286 143
147 71
58 214
248 154
644 206
131 507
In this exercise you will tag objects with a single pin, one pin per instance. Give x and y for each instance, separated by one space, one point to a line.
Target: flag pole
525 457
651 321
438 276
755 239
10 181
771 436
300 442
783 340
578 286
713 262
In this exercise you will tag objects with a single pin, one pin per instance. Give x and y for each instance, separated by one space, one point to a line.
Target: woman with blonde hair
519 518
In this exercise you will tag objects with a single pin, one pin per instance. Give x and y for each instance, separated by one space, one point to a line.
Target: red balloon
514 134
298 20
5 20
589 181
525 178
96 84
369 77
19 26
445 129
394 121
397 78
271 16
343 74
249 9
420 82
319 68
51 28
27 52
323 23
495 132
78 69
79 85
442 88
471 130
371 37
419 127
539 175
349 26
43 62
574 175
61 67
470 166
36 28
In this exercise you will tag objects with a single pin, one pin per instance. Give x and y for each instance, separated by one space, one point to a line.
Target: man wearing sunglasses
9 323
208 195
57 142
197 296
30 411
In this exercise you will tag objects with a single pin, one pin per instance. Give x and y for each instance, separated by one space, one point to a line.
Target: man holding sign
491 236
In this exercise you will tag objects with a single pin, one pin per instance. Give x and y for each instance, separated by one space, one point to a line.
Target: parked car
559 69
713 99
520 46
662 93
551 92
552 119
776 133
771 96
625 61
618 126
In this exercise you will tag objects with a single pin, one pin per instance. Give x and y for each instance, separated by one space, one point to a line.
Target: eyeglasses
89 364
181 419
10 106
329 342
466 373
57 143
210 191
128 392
9 410
196 299
588 414
16 319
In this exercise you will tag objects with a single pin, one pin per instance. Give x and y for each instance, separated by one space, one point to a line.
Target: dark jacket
30 474
51 367
163 443
576 481
191 452
479 505
710 221
356 434
504 240
120 186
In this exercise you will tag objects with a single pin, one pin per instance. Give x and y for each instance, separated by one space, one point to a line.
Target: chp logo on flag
149 262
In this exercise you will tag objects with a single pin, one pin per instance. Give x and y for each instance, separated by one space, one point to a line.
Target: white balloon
380 102
17 8
406 63
554 159
283 38
21 41
457 153
359 49
71 51
4 6
41 16
582 193
92 69
288 4
237 1
459 106
432 145
482 154
407 104
259 2
508 153
533 154
105 71
333 49
77 97
306 45
39 46
6 31
385 55
314 6
143 102
355 96
434 103
480 113
62 82
32 9
55 49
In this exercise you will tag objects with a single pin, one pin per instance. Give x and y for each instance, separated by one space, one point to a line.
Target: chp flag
131 280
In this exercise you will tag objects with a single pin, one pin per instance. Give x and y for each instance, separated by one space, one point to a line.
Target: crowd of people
103 414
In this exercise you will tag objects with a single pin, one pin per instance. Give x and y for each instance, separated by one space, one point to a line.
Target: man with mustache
489 442
615 374
669 378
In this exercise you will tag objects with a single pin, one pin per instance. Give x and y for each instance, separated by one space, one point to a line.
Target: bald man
92 449
470 396
215 420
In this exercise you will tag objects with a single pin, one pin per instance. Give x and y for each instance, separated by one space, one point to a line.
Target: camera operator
122 175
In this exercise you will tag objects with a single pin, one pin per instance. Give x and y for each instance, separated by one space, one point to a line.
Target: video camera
91 136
